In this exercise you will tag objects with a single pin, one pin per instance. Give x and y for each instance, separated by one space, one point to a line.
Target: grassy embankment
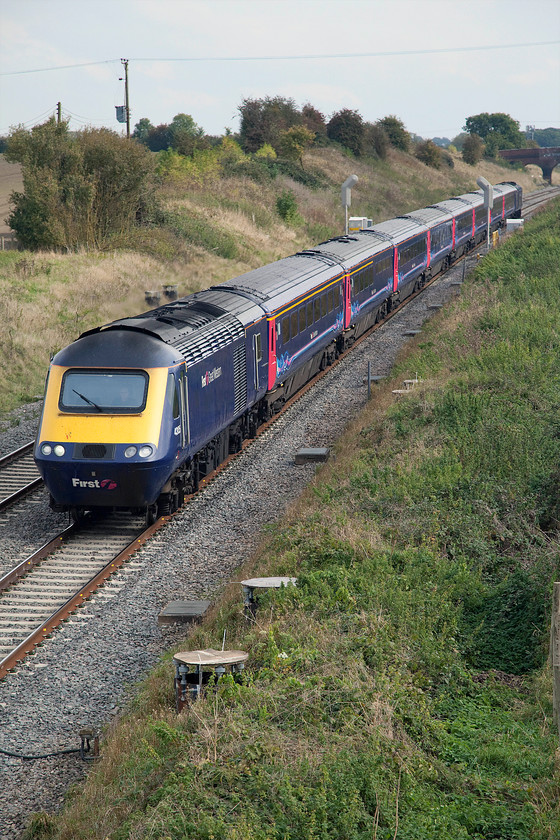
400 690
218 219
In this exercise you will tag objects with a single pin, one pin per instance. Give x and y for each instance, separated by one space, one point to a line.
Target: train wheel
77 515
151 514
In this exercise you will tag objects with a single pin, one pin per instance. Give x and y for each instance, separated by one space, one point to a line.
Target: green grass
198 231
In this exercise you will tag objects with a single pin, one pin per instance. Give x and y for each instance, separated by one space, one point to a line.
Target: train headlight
59 450
46 449
145 451
130 452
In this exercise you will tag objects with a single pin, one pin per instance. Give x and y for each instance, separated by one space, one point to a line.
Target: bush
264 120
80 191
430 154
287 209
347 128
294 142
473 149
376 141
396 132
267 152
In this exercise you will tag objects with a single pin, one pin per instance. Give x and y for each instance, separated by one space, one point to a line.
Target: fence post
555 654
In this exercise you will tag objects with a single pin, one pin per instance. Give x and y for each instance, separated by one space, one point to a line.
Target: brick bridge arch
547 159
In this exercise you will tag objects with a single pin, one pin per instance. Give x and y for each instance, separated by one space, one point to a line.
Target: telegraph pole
124 62
59 112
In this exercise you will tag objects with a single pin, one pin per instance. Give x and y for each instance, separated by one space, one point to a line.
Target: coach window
330 303
176 412
286 329
172 396
294 323
317 309
302 319
310 313
323 304
184 408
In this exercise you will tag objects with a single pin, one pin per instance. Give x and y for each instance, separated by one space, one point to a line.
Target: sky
412 58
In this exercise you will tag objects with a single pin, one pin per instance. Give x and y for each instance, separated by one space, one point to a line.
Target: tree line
91 188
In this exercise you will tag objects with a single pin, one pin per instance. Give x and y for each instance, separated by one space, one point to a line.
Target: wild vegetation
199 219
399 690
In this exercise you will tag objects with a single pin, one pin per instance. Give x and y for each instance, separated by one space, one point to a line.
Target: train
139 411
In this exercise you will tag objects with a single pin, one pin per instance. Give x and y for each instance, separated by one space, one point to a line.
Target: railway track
18 475
39 593
535 200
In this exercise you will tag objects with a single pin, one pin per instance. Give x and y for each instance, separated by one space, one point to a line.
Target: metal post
488 191
347 197
124 62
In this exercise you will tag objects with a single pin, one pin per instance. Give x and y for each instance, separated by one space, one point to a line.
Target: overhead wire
81 119
35 120
304 57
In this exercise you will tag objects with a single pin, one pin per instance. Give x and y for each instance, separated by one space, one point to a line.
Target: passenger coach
138 411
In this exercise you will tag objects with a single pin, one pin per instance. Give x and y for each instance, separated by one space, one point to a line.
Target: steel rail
34 559
45 628
17 453
11 459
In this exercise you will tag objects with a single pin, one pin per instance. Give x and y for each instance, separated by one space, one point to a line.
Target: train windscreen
109 391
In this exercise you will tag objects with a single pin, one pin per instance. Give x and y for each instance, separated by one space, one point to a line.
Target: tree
459 140
158 138
473 149
142 129
184 134
443 142
429 153
314 120
295 141
396 132
547 137
79 190
499 131
347 128
264 120
375 141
